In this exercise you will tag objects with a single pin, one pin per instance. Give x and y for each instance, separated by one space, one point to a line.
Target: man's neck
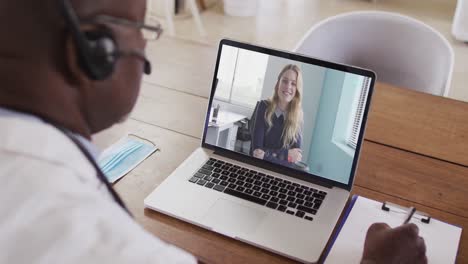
37 90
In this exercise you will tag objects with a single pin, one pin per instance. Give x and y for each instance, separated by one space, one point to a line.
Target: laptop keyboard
272 192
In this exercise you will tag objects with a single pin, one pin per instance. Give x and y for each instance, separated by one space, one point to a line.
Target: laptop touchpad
233 218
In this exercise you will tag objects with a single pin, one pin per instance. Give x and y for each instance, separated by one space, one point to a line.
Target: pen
411 212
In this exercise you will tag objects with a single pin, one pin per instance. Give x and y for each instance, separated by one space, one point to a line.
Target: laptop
279 151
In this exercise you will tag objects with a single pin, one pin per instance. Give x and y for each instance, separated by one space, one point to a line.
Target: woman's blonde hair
294 115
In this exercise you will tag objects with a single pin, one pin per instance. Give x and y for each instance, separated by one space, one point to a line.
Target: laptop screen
292 112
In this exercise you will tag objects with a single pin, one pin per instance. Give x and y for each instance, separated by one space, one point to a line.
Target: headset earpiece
100 56
96 49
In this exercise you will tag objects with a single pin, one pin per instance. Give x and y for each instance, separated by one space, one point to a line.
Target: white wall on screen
240 76
238 109
226 69
314 77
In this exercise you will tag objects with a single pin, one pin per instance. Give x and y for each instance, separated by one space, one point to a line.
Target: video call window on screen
291 113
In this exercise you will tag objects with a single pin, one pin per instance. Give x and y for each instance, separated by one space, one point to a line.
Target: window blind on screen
353 139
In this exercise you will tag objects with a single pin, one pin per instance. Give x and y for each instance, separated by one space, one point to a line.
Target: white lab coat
53 209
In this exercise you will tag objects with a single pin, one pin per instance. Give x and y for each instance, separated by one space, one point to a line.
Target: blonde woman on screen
277 126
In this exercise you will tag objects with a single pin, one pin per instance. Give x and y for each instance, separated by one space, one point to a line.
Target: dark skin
40 75
402 245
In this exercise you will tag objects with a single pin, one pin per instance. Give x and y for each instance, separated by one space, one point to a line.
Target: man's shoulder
42 143
39 175
45 201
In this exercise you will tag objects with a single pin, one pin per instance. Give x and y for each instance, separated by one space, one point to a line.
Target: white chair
460 21
401 50
169 7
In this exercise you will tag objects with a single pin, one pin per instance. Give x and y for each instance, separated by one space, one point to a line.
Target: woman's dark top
271 141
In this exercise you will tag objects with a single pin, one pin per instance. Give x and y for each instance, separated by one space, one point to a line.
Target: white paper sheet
441 239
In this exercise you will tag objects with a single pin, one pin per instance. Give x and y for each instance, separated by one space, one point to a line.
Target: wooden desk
398 164
421 123
415 153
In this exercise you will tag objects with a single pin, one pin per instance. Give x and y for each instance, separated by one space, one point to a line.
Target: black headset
97 55
97 50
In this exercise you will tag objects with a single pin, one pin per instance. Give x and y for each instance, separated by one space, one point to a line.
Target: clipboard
398 209
442 239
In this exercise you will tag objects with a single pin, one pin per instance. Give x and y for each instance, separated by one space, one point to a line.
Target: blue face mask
124 156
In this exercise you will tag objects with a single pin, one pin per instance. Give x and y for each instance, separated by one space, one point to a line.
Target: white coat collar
42 141
88 145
